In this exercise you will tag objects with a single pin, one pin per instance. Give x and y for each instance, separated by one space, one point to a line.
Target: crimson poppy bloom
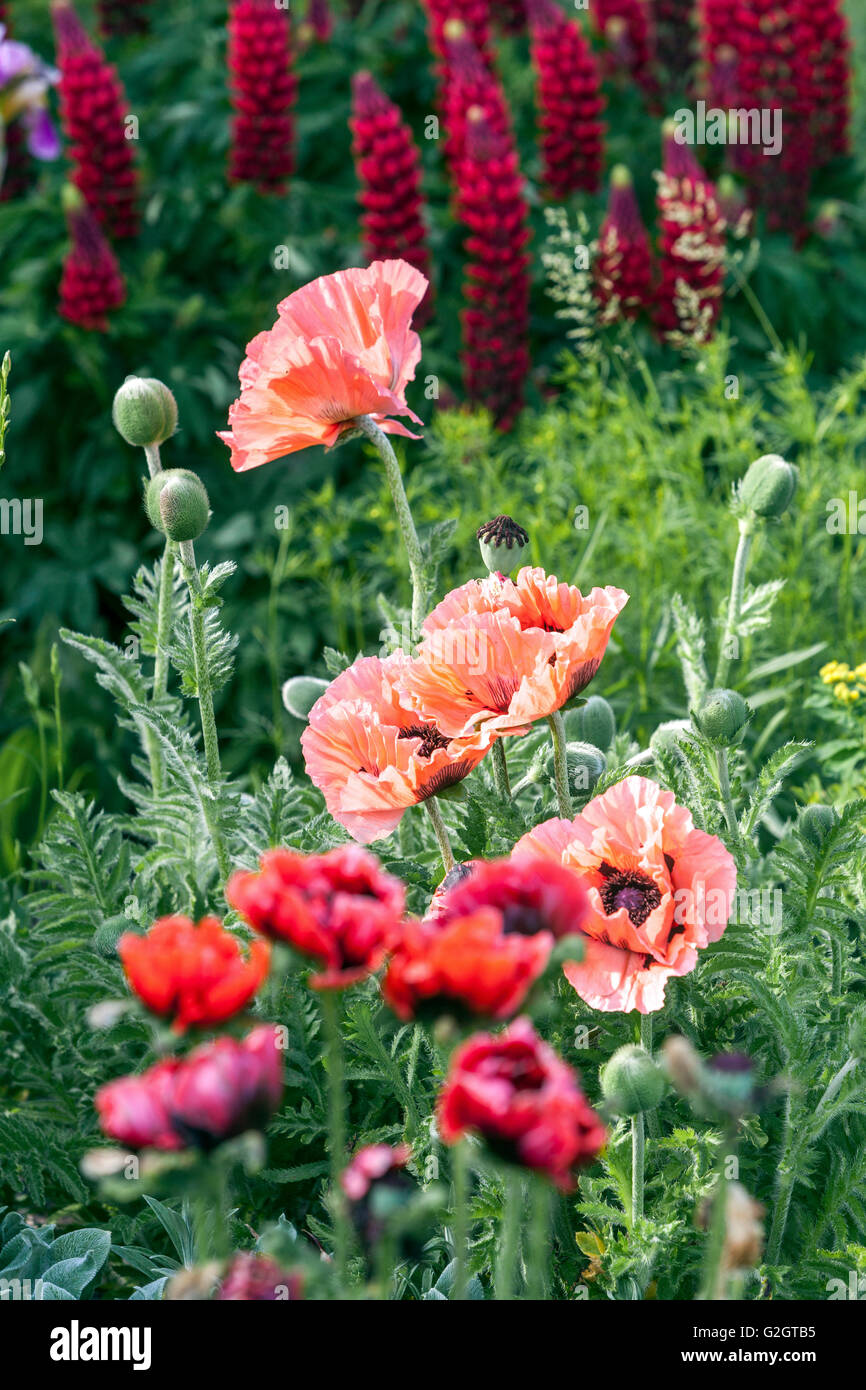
370 1165
196 975
532 896
523 1100
467 965
341 908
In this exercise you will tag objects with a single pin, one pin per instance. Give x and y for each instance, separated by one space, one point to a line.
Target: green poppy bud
586 763
177 504
301 693
815 822
107 935
631 1081
769 486
144 411
502 541
722 717
597 722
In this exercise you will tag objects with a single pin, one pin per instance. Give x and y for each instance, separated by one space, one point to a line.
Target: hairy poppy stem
560 764
638 1145
460 1172
500 771
328 1000
539 1240
735 601
417 567
441 833
509 1238
711 1282
163 621
727 798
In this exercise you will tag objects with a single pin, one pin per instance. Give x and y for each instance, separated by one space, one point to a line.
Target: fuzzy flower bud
300 693
815 822
585 762
631 1082
597 722
769 486
144 411
502 541
177 504
722 717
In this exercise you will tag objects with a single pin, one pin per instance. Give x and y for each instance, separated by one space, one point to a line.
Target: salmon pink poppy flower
659 890
195 974
341 908
341 347
511 651
372 756
469 965
523 1100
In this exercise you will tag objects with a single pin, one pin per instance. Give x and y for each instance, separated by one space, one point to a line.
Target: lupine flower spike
467 84
91 284
627 28
473 15
692 246
676 37
93 111
389 173
263 94
570 101
623 265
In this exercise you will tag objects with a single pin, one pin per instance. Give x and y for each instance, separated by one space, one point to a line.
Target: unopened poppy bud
177 504
815 823
722 717
144 411
631 1082
597 722
301 693
586 763
107 935
502 542
769 486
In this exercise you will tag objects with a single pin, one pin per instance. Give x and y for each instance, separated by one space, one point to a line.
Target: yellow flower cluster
848 685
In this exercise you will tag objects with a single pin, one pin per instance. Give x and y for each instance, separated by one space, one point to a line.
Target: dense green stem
151 453
786 1177
500 771
205 698
509 1238
711 1278
735 600
560 764
727 798
441 833
638 1147
539 1240
163 620
329 1000
460 1170
417 567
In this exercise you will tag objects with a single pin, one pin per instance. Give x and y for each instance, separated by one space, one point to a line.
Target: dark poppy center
431 738
630 890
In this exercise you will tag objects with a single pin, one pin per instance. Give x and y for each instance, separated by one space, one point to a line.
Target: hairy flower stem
509 1239
329 1001
727 798
500 771
460 1173
417 567
154 465
712 1283
786 1177
441 833
154 757
205 697
638 1147
163 621
836 1083
735 601
560 764
539 1240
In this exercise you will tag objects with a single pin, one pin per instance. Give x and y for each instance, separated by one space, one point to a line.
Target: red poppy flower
370 1165
532 896
195 974
221 1089
340 908
523 1100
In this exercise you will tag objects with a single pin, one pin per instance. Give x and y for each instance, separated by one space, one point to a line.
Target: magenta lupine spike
491 205
467 83
676 31
91 284
263 89
691 246
623 264
627 28
473 14
569 98
389 173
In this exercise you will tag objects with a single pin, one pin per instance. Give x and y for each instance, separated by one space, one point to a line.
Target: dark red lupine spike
263 94
824 68
692 246
91 283
123 18
570 101
322 21
389 172
627 28
473 14
467 83
623 265
491 205
675 23
93 109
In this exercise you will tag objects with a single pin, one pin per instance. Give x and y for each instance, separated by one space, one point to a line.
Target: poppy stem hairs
560 763
417 568
438 823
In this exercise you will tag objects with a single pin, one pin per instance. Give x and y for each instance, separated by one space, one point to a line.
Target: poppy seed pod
144 411
597 722
301 693
502 542
722 717
177 504
631 1082
815 823
769 486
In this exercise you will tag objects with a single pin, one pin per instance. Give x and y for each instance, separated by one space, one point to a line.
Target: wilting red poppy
341 908
523 1100
467 965
195 974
